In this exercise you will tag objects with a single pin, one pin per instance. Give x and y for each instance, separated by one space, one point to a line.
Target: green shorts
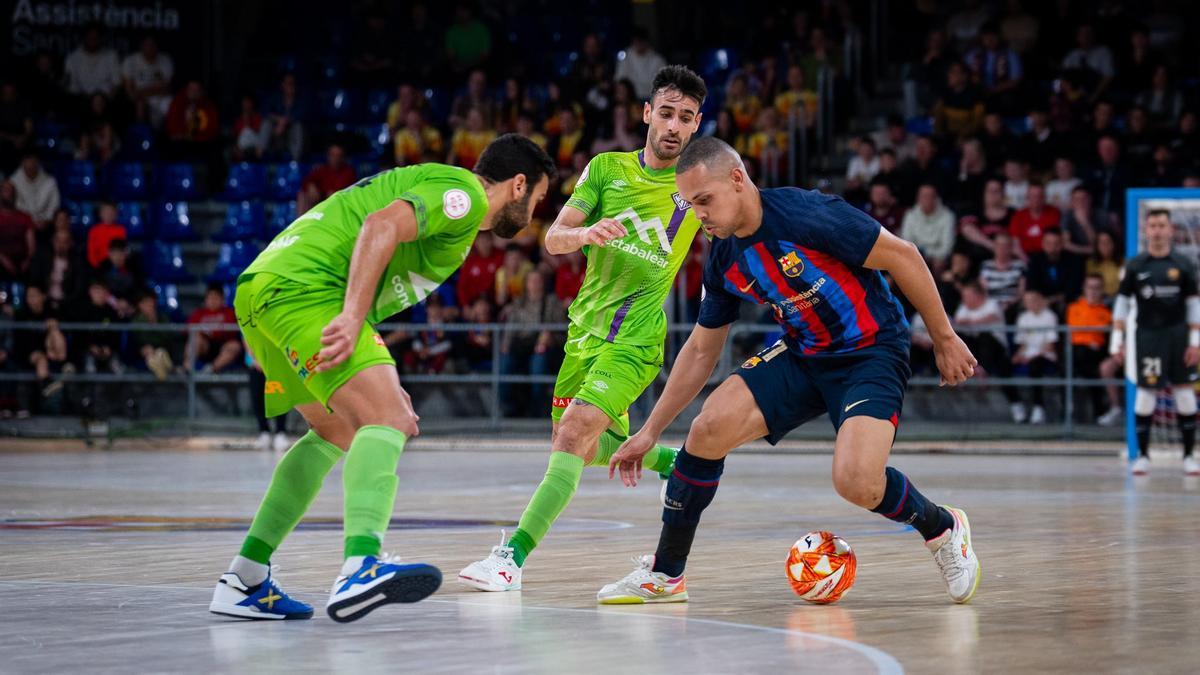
606 375
282 321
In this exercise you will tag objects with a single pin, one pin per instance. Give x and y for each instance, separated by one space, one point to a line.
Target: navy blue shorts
791 389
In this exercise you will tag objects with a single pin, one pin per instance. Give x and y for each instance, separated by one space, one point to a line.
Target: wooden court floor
107 560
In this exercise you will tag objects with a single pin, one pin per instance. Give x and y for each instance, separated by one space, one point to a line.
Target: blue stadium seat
438 100
83 216
562 62
231 260
246 181
378 102
50 136
282 215
139 142
165 263
14 293
285 181
716 64
78 179
244 221
168 300
920 126
336 105
178 182
132 216
379 140
127 181
173 222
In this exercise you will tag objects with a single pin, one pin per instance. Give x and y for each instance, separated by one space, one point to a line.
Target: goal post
1184 205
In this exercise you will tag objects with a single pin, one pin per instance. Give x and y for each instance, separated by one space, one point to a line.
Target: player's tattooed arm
903 261
567 234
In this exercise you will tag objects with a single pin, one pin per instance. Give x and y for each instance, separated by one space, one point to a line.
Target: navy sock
903 503
690 489
1187 431
1141 426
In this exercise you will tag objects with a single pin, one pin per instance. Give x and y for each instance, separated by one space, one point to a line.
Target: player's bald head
710 152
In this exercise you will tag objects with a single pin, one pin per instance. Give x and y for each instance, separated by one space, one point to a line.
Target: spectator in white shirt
147 75
931 227
1058 191
1095 59
896 137
92 68
37 191
1037 342
863 165
978 321
640 64
1016 183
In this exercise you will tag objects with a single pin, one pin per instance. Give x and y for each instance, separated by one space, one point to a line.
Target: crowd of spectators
1011 175
1008 170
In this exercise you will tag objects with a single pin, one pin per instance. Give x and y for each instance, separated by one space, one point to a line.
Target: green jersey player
307 306
636 231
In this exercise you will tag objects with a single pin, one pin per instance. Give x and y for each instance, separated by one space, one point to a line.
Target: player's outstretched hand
603 231
338 340
954 360
1191 357
628 458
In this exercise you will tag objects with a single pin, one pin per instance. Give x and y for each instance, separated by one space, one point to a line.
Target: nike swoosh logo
749 286
1143 275
854 404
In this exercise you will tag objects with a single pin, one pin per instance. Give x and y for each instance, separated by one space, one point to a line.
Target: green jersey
315 249
628 279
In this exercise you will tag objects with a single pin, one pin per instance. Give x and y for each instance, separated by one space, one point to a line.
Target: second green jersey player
307 307
627 216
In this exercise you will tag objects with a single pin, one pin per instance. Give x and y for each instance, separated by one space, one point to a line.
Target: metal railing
494 378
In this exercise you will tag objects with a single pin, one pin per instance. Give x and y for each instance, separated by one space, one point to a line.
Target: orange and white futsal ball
821 567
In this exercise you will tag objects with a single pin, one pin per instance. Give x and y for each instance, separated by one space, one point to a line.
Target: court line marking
884 662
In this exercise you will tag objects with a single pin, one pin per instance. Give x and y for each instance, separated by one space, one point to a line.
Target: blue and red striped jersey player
818 263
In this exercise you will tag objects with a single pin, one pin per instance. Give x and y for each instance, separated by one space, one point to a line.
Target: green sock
294 485
548 501
369 481
660 459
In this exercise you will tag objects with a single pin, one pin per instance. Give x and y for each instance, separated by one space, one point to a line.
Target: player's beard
660 152
512 218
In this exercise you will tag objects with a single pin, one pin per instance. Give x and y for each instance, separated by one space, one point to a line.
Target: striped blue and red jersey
806 262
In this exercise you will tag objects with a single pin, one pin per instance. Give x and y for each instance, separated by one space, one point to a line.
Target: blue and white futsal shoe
379 581
267 600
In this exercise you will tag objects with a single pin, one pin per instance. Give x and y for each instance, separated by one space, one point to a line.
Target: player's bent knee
572 438
1185 400
857 486
1144 402
708 435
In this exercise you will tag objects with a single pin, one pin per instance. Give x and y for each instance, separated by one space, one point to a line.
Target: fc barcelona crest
1173 274
791 264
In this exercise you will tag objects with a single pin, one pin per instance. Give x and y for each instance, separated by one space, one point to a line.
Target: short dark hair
118 245
214 287
682 79
1054 231
705 150
513 154
1158 212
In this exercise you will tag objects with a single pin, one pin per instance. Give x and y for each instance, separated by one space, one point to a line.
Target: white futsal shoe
643 585
1191 467
1140 466
263 442
956 558
497 572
